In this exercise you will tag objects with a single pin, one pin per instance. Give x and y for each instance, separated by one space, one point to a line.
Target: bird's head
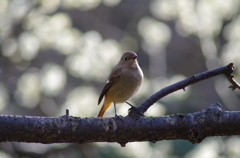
129 59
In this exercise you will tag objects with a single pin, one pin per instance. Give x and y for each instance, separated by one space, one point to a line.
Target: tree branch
67 129
226 70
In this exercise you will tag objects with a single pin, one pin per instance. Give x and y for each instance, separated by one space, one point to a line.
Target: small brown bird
123 82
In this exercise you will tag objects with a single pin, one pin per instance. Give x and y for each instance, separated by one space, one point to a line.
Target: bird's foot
118 116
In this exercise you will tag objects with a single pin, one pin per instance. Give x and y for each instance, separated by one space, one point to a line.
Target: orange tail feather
104 108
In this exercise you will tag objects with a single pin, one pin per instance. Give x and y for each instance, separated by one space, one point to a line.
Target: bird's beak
135 57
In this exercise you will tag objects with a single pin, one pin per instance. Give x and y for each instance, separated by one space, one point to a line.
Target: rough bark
135 127
67 129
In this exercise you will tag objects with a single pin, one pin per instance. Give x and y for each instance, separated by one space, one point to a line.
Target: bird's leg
116 115
115 110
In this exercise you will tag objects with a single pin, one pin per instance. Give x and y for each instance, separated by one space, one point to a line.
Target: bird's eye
125 58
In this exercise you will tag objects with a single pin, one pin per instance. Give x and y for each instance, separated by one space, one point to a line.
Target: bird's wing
113 78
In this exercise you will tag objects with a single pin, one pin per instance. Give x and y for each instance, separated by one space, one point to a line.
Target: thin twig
231 79
226 70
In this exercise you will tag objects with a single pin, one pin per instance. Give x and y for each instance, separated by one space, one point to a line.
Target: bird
123 82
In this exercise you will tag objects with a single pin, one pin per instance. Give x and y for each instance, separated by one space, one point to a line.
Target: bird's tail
104 108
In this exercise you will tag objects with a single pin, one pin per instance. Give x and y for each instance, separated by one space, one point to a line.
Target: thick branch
226 70
67 129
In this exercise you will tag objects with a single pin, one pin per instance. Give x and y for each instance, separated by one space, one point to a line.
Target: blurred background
57 55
